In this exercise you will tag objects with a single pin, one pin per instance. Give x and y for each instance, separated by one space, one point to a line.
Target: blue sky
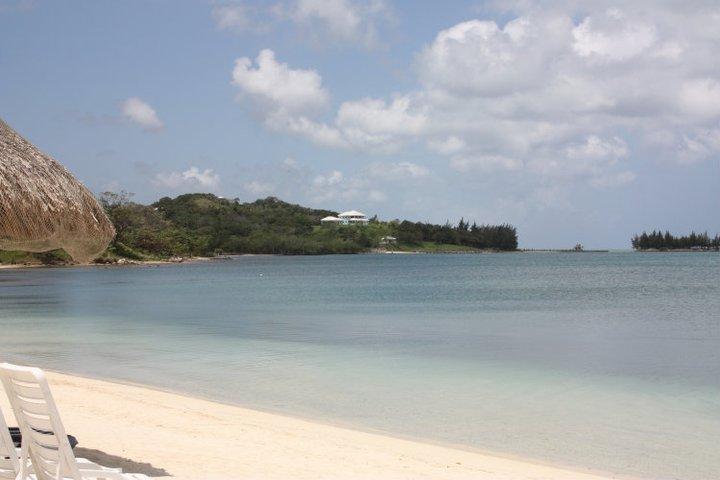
576 122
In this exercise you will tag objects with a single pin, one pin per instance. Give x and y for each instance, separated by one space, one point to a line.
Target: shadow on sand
127 465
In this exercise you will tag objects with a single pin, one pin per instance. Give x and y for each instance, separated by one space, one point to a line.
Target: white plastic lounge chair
45 452
10 456
9 463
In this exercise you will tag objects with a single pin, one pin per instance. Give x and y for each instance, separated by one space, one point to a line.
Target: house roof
329 219
352 213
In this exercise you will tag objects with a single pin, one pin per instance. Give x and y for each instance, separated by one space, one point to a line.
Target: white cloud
613 37
613 180
700 145
485 163
259 188
701 97
554 94
332 178
291 99
317 132
205 178
595 147
447 146
376 117
142 114
276 86
232 16
192 177
323 22
290 164
478 57
397 171
344 20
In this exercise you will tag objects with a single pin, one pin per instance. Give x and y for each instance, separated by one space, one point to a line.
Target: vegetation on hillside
657 240
206 225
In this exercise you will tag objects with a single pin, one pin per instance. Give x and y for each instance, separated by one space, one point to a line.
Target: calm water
607 361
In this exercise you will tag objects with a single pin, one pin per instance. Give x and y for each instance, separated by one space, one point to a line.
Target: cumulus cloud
446 146
290 164
137 111
291 100
231 16
397 171
344 20
595 147
484 163
613 180
190 178
378 117
480 58
554 93
612 36
276 86
701 97
334 186
332 178
353 22
699 145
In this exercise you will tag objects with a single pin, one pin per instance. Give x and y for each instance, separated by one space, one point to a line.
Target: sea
601 361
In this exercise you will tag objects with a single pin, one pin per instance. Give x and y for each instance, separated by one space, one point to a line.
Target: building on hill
352 217
330 220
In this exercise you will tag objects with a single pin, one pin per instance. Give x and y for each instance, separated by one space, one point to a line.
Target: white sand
199 439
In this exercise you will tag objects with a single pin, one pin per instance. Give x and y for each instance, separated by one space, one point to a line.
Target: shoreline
126 263
193 260
196 438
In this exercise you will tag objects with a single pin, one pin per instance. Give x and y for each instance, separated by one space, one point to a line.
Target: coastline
127 263
193 438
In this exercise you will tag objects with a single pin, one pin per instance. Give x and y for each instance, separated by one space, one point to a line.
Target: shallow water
608 361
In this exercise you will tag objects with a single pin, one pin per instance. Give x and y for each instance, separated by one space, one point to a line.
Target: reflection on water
609 361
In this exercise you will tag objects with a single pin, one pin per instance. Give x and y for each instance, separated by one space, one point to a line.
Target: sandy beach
197 439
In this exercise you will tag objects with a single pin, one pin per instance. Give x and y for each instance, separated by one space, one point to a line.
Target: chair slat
34 408
24 375
43 439
34 393
49 455
38 423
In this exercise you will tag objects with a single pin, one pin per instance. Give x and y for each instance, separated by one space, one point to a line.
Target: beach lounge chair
45 452
9 463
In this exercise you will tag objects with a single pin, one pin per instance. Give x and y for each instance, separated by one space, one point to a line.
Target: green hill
202 224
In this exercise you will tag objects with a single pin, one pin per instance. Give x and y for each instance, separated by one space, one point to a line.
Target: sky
574 121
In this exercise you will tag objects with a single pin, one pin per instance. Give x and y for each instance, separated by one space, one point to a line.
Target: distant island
204 225
657 240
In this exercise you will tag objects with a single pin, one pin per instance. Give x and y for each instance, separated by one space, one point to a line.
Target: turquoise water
608 361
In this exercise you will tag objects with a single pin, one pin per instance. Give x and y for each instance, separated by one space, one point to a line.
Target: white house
330 220
353 217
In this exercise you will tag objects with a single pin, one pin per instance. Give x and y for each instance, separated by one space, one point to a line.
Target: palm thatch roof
42 207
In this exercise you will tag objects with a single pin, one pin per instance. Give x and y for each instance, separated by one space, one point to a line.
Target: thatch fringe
42 207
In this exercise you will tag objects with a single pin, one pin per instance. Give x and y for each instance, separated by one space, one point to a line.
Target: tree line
666 241
207 225
497 237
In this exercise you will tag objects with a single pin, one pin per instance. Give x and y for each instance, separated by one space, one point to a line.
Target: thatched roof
42 207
